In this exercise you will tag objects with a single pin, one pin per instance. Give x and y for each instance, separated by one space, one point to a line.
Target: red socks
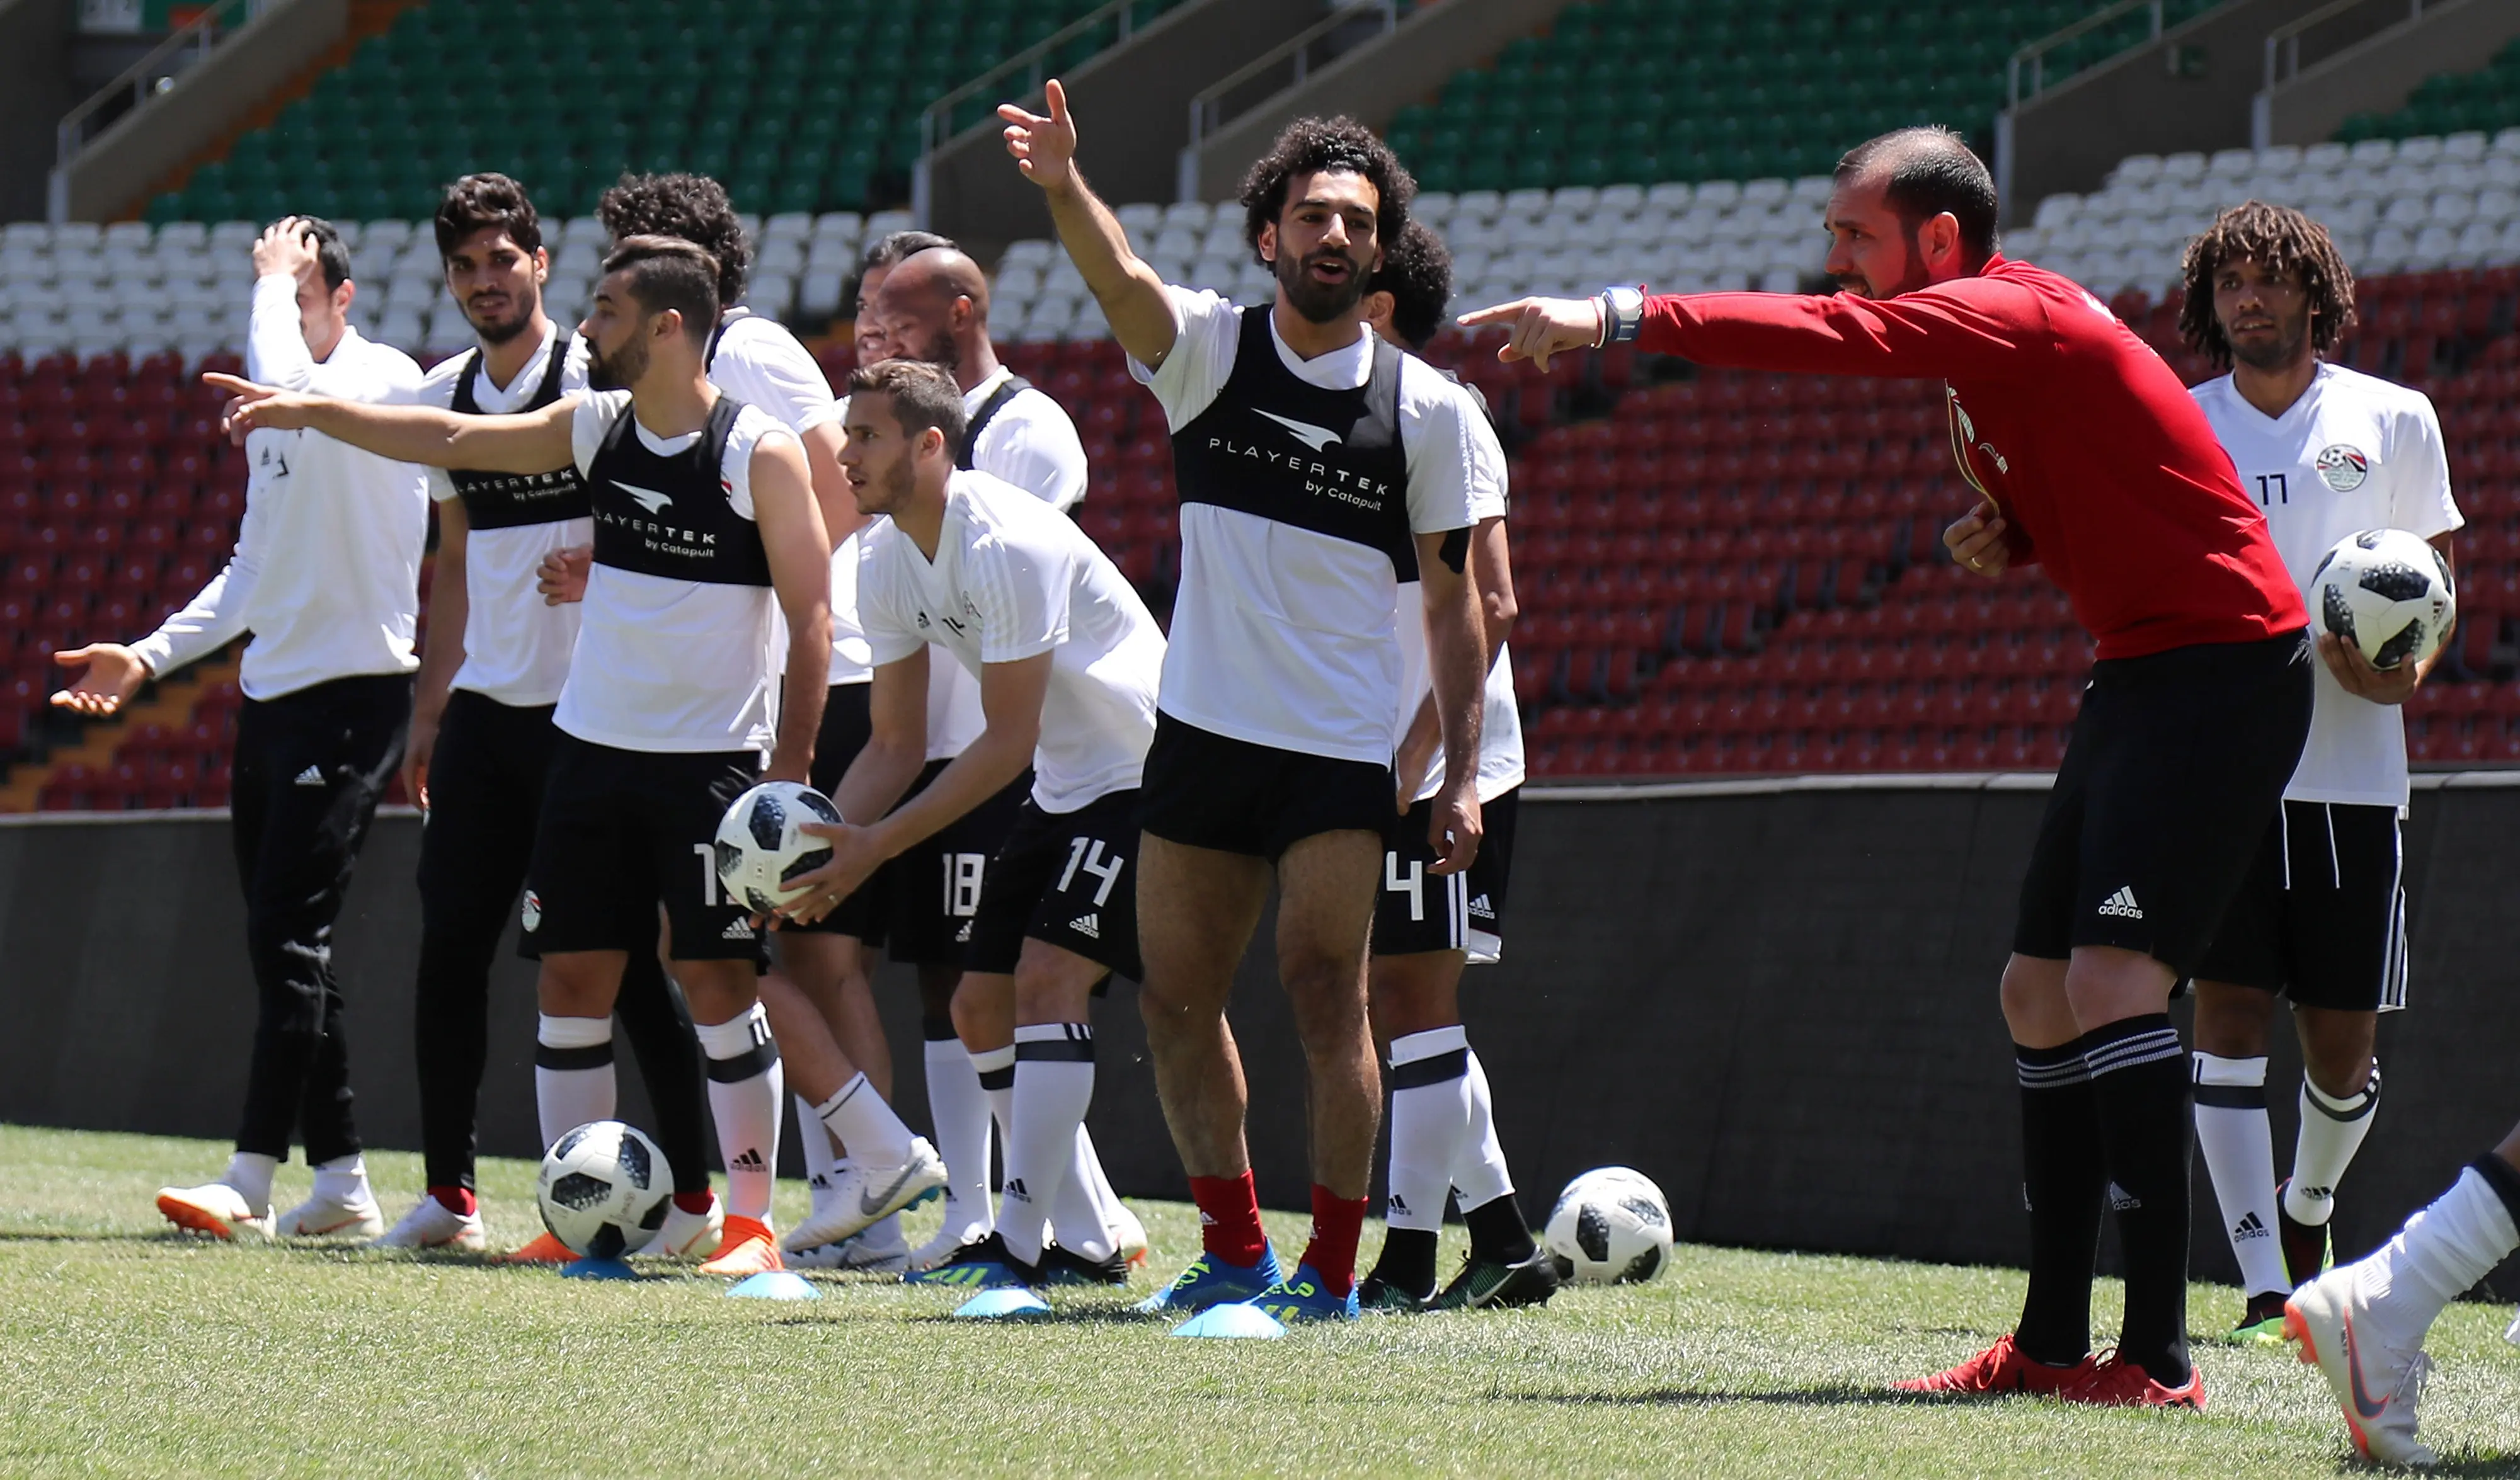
457 1199
693 1202
1229 1219
1337 1224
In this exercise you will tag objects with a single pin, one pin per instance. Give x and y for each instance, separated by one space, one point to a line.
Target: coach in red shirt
2092 460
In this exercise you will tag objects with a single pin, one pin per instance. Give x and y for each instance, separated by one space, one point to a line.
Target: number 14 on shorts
1087 854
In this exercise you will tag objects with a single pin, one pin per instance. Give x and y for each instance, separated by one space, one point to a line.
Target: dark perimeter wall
1781 1005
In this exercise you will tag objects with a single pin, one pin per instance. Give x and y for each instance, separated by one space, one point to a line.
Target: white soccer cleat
432 1224
877 1250
688 1235
865 1195
319 1217
1128 1237
2377 1384
213 1208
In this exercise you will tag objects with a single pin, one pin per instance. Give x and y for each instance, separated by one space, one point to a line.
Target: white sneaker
2376 1383
865 1195
321 1217
432 1224
213 1208
688 1235
879 1249
1128 1237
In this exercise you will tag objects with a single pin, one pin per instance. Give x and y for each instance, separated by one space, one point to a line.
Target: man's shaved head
934 306
940 274
1924 172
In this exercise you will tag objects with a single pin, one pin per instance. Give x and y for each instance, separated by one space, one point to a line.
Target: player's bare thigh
1196 910
1325 895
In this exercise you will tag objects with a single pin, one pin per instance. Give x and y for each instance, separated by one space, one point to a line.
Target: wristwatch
1623 314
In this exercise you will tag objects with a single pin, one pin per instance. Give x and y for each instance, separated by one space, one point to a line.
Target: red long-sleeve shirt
2074 429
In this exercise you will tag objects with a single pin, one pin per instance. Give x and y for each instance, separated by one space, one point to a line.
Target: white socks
813 1143
2331 1132
1053 1086
2440 1254
343 1180
961 1114
250 1173
1086 1213
1479 1173
1430 1124
2239 1156
572 1074
745 1090
859 1119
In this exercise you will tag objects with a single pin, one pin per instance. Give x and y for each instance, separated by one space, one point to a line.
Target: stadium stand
2450 103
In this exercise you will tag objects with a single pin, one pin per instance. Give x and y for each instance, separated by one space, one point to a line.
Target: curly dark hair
485 200
1418 273
1309 145
694 207
2282 240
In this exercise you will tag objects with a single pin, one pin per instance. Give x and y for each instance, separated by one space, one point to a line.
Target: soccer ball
1612 1226
759 849
2387 592
604 1189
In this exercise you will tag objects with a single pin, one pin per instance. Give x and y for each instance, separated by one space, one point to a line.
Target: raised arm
800 571
535 441
1132 297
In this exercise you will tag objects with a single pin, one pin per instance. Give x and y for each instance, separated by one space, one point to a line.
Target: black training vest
505 499
668 516
1327 460
1014 386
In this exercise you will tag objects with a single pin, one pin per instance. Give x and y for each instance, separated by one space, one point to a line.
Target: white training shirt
1501 758
515 645
326 571
1031 442
1014 578
1282 636
666 665
760 363
2353 453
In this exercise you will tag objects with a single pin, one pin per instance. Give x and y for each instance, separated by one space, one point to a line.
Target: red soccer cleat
2115 1382
2001 1370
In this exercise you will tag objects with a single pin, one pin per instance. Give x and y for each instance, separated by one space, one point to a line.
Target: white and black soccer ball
605 1188
1612 1226
759 849
2388 592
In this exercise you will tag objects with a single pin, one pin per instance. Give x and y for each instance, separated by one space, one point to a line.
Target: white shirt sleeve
596 413
275 347
1022 596
2422 500
891 636
767 367
215 616
1208 328
752 430
1487 465
1032 444
438 388
1445 491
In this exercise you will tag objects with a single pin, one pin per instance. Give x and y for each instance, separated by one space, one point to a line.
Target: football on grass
2388 592
761 852
1612 1226
604 1189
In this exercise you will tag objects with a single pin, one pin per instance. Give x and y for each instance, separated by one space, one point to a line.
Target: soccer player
481 739
704 521
2322 916
1067 658
933 305
1320 467
2363 1324
1425 928
326 577
2090 459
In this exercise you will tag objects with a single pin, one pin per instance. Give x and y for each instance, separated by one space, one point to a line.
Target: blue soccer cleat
983 1263
1301 1296
1212 1281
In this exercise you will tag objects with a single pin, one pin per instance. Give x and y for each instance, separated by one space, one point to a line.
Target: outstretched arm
535 441
1132 297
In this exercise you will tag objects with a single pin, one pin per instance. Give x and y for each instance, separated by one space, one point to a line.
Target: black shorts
1064 878
847 726
1204 790
1419 911
2177 762
624 830
2322 916
932 887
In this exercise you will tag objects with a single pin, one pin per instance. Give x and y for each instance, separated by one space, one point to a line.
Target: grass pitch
135 1351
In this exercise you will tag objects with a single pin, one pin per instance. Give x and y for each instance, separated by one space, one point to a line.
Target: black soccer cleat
2305 1250
1378 1296
1060 1266
1493 1285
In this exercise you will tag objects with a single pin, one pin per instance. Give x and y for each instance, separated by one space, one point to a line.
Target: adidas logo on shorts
740 929
310 777
2122 904
963 937
2250 1226
1482 909
2122 1200
1088 925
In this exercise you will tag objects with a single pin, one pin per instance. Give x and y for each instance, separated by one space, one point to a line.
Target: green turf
136 1352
